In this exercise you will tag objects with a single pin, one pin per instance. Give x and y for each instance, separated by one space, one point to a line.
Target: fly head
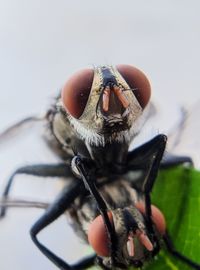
134 243
104 104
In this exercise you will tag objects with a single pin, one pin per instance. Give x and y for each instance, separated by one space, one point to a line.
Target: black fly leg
60 205
85 263
54 210
170 160
148 158
41 170
89 182
171 249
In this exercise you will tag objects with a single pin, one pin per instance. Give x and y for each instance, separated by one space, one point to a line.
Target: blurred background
41 44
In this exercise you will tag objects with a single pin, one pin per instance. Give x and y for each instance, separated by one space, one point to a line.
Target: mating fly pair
95 118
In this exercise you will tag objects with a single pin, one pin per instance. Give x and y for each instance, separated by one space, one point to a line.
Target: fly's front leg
63 202
41 170
89 181
147 158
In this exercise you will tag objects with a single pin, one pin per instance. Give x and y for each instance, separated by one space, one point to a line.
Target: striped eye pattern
76 91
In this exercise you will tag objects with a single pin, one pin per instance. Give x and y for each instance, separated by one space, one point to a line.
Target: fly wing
184 138
23 144
32 133
18 129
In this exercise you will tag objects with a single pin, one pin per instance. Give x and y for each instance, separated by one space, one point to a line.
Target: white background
43 42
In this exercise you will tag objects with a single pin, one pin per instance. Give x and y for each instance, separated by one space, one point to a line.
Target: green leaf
177 194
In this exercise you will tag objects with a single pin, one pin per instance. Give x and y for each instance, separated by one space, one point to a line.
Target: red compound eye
136 79
98 236
157 217
76 91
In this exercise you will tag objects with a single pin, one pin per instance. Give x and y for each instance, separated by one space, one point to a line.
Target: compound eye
136 79
98 235
76 91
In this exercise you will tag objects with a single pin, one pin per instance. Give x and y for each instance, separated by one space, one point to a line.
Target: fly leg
147 158
56 209
170 160
89 181
41 170
85 263
171 249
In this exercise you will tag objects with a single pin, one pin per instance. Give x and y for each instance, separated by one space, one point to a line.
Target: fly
94 119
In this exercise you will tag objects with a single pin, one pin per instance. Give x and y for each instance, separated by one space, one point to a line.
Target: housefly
98 113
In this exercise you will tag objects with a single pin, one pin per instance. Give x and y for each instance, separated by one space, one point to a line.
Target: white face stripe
93 138
84 133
